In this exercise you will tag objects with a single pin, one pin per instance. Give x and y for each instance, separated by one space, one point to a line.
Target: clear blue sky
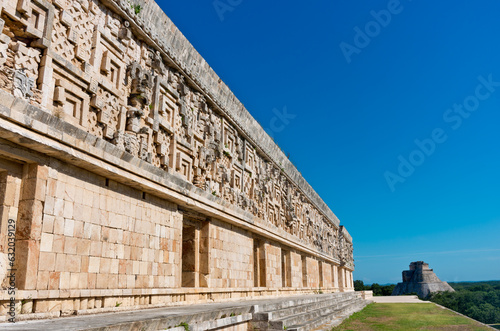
355 122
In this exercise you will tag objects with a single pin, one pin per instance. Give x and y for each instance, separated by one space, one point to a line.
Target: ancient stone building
422 280
130 175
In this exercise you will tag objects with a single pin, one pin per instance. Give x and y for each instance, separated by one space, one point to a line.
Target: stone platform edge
200 316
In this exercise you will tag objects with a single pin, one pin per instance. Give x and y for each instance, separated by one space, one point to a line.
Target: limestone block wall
296 269
99 234
273 265
231 256
124 77
326 275
346 281
335 276
132 176
107 238
10 183
312 272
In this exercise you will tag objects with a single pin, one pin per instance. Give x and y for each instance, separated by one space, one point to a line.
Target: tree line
377 289
478 300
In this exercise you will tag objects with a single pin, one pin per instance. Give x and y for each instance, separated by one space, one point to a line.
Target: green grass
407 316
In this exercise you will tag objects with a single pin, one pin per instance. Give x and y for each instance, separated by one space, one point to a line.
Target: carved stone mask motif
23 84
141 82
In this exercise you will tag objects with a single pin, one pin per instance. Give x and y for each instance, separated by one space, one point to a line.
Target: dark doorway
286 269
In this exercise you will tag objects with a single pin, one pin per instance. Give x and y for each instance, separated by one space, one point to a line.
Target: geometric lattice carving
23 84
99 75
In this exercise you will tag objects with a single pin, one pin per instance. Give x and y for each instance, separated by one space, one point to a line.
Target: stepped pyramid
422 280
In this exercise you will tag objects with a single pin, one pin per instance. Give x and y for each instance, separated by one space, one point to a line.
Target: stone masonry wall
111 245
312 273
102 234
335 277
326 277
296 261
10 184
273 265
231 256
133 177
110 74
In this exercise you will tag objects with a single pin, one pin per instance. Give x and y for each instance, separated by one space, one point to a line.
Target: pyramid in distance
422 280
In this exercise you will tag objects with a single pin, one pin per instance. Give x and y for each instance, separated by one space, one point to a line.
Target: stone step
306 313
303 318
221 323
225 322
221 315
344 315
328 318
275 305
307 316
299 309
292 302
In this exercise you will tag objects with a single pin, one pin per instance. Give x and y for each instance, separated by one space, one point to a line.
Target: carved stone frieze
100 75
23 85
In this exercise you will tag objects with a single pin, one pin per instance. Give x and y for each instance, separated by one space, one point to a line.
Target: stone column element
29 225
205 254
335 276
10 184
341 279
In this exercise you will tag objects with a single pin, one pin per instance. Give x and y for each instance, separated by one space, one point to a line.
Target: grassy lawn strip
407 316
